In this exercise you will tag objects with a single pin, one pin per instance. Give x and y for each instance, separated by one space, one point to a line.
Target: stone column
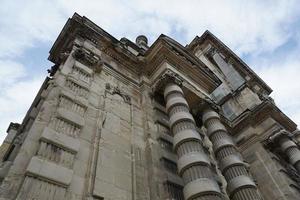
289 147
193 164
240 185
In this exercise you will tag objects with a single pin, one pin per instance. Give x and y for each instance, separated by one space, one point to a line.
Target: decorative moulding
88 58
71 116
116 90
50 171
61 140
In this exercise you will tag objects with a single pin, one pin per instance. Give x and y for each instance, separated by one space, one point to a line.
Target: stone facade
118 120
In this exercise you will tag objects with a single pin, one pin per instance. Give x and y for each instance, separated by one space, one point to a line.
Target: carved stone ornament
116 90
52 70
18 140
168 77
211 51
278 134
271 141
88 58
64 55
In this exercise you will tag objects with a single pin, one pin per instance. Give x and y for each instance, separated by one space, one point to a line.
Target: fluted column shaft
240 185
193 164
290 148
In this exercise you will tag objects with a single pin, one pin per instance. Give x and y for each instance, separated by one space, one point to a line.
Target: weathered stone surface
44 169
62 140
117 121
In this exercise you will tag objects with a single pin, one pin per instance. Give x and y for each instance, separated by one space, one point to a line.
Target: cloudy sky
265 34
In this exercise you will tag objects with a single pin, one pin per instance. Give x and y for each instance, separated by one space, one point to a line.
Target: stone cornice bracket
167 77
207 103
211 51
88 58
272 140
278 134
116 90
63 56
86 34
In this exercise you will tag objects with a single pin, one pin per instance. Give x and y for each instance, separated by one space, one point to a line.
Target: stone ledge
61 140
165 136
199 186
71 116
4 168
169 155
47 170
180 116
287 144
77 99
192 158
79 82
173 178
83 67
176 101
186 135
238 183
210 114
172 89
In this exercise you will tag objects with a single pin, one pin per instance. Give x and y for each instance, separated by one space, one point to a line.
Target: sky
265 34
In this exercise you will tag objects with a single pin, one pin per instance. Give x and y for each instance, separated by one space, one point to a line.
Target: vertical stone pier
288 147
240 185
193 164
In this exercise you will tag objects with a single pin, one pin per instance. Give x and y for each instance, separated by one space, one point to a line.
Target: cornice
164 48
207 36
257 115
162 52
81 27
14 126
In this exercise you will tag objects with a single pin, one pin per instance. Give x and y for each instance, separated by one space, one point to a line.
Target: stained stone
118 120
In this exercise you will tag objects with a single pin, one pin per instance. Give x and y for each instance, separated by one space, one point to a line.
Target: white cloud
283 77
17 93
247 26
10 71
24 24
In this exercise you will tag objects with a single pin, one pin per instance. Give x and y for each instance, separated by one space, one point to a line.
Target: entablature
160 52
207 38
82 29
257 115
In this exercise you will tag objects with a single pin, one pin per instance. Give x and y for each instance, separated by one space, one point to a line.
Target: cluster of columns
194 165
288 147
240 185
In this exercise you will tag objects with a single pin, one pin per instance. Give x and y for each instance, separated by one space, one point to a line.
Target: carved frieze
211 52
88 58
35 188
116 90
81 74
55 154
167 77
77 89
64 127
69 104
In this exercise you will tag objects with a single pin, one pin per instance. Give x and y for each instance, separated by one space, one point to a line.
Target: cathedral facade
118 120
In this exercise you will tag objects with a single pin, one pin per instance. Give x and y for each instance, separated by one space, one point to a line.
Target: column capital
278 134
206 104
168 76
212 51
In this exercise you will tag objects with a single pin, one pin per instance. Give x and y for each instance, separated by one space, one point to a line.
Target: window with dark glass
169 165
175 191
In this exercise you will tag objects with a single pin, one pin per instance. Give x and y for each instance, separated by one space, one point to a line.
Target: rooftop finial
142 41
